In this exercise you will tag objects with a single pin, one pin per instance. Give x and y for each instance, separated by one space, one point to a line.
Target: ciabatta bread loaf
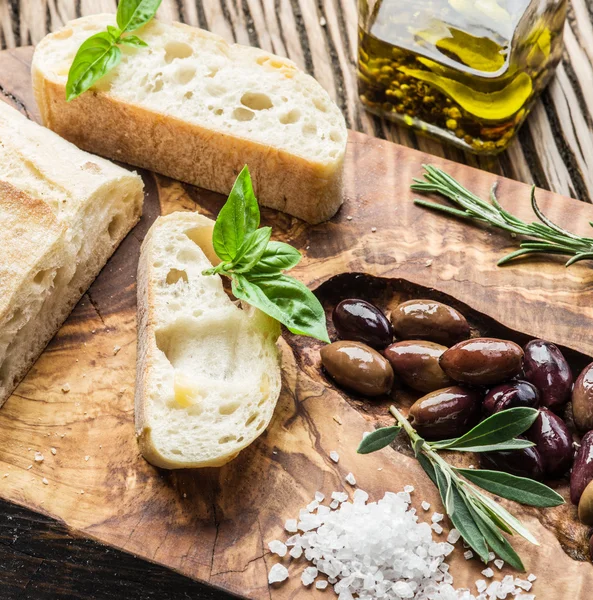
195 108
208 373
62 214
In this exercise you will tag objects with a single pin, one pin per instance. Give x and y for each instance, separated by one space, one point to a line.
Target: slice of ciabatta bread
208 372
195 108
62 214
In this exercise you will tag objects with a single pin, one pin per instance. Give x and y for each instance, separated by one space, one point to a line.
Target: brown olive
582 400
357 367
429 320
482 361
361 321
582 470
586 506
547 369
417 363
446 413
510 395
553 442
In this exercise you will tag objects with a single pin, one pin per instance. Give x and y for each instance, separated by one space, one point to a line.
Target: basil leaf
286 300
497 542
464 522
96 56
114 32
238 218
520 489
500 427
132 14
251 250
133 40
378 439
277 257
514 444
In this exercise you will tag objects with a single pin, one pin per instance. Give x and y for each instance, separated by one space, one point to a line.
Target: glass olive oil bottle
464 70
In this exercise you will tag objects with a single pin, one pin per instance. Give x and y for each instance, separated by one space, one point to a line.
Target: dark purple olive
582 400
525 462
510 395
582 470
417 364
547 369
429 320
361 321
482 361
358 368
446 413
553 441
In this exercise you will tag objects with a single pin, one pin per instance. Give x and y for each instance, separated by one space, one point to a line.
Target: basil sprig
480 520
255 265
100 53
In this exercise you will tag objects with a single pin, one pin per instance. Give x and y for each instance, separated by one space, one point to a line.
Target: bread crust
188 152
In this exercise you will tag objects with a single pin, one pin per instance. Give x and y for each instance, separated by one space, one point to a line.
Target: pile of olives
427 346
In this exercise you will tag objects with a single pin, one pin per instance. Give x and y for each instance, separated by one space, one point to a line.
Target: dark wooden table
41 559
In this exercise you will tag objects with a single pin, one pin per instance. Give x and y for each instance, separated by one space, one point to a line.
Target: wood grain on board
554 149
213 525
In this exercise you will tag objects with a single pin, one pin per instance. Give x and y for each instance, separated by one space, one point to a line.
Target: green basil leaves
100 53
255 265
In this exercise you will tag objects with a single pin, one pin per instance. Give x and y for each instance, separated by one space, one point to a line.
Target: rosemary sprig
544 237
480 520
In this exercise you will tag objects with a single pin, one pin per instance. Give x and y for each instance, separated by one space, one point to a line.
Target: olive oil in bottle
467 71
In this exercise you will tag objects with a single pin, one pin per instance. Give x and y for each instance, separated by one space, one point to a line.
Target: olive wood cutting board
214 524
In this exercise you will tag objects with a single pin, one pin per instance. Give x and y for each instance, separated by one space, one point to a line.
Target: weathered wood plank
553 149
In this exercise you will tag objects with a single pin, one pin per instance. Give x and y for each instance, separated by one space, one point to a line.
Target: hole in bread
44 277
250 419
292 116
226 439
201 236
115 227
240 439
215 90
256 101
63 35
185 74
188 95
188 255
158 85
157 264
335 136
212 71
260 426
174 275
243 114
218 111
176 451
175 50
333 153
320 104
229 408
309 129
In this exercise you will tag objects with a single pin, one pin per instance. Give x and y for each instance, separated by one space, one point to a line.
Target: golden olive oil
464 70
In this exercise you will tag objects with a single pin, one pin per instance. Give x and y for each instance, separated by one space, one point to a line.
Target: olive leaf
514 444
496 429
520 489
378 439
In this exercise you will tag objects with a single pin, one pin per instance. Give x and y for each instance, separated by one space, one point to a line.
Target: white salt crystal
453 536
350 479
524 585
277 574
491 556
403 589
321 585
437 517
309 575
437 528
334 456
277 547
39 457
531 577
334 504
499 563
319 496
312 506
409 489
489 573
360 497
291 526
425 505
481 585
468 555
340 496
296 552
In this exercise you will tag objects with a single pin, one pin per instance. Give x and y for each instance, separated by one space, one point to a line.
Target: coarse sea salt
278 547
369 550
334 456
